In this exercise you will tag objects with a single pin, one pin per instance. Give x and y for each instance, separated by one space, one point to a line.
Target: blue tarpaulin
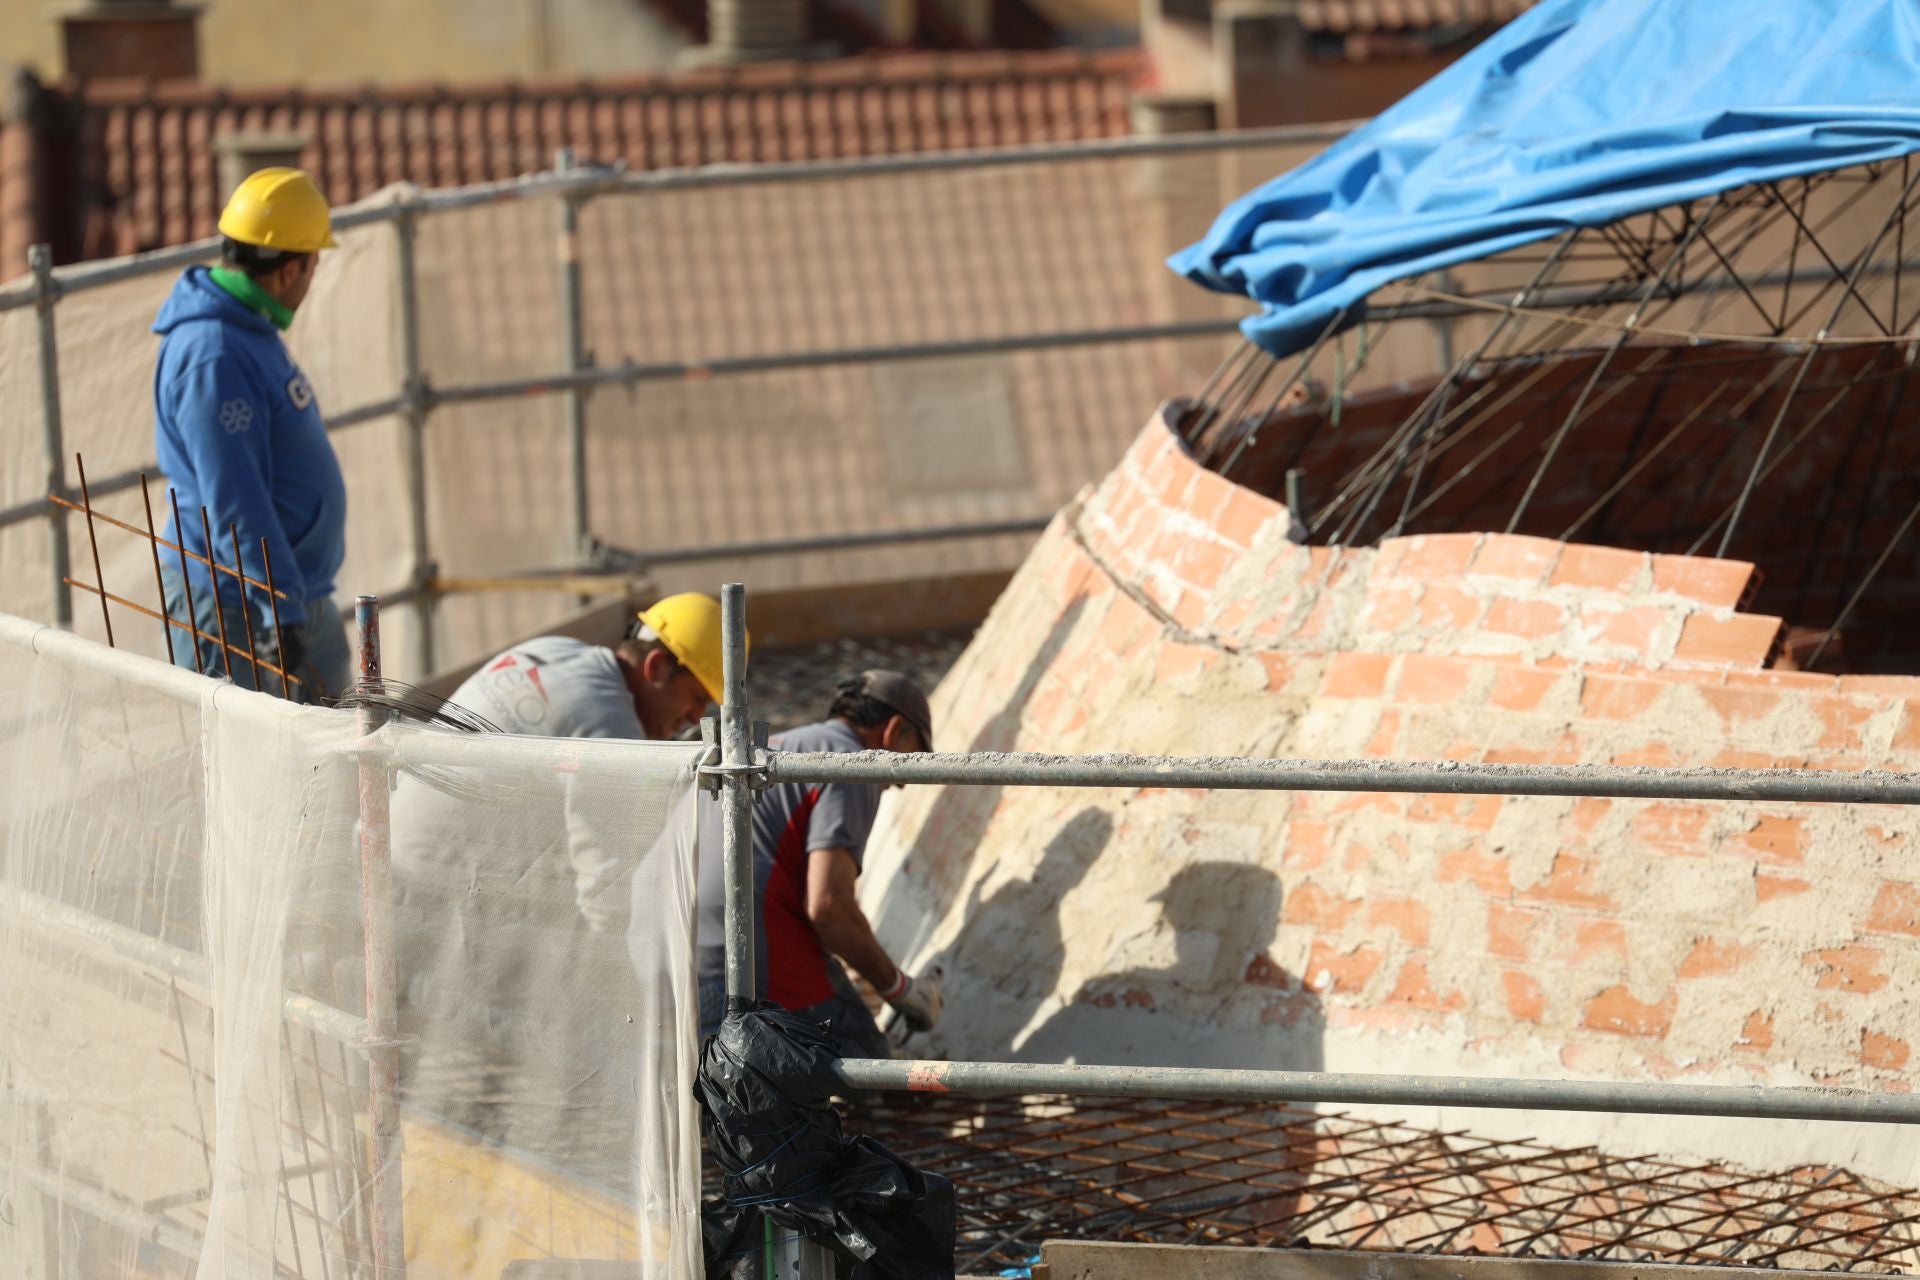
1577 113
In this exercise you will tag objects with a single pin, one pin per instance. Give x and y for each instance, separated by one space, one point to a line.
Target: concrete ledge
1077 1260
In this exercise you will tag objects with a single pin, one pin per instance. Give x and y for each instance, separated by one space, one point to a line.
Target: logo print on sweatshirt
236 415
300 392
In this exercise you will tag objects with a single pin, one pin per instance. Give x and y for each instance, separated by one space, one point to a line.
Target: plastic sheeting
1578 113
184 1048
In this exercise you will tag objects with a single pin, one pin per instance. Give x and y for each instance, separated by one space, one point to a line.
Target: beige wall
334 41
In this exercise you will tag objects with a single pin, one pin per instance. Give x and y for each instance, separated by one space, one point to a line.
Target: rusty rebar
246 610
279 636
159 580
93 541
213 580
186 578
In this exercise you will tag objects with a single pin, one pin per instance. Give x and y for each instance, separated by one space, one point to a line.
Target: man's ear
893 733
656 667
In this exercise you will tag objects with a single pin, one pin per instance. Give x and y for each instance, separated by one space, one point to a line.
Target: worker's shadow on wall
943 850
1010 948
1222 1002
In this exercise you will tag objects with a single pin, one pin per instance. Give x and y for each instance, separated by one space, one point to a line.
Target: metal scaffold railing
743 768
579 371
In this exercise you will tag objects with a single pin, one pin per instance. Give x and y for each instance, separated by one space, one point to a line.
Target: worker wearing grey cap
808 844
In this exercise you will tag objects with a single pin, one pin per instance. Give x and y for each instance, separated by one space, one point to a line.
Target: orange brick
1633 629
1414 987
1330 970
1593 938
1842 719
1586 814
1203 564
1386 733
1176 661
1776 838
1896 909
1516 556
1907 737
1801 680
1528 619
1389 607
1309 904
1655 755
1673 828
1308 845
1757 1035
1356 675
1208 494
1742 640
1476 812
1280 669
1881 686
1878 1050
1437 557
1714 959
1525 1000
1429 679
1570 882
1511 930
1489 872
1619 1011
1608 568
1406 917
1244 516
1852 968
1712 582
1609 698
1190 610
1449 608
1521 688
1766 888
1738 705
1126 626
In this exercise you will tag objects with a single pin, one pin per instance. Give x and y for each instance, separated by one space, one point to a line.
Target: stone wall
1166 612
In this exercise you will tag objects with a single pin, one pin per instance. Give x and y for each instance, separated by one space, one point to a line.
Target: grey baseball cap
899 691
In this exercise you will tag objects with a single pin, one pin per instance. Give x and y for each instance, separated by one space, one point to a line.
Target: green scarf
241 286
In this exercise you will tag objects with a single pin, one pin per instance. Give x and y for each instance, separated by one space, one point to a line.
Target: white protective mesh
184 1083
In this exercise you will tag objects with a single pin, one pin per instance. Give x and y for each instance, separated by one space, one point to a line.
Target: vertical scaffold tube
376 906
736 794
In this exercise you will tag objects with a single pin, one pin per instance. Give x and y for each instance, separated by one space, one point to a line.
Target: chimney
247 152
753 31
154 38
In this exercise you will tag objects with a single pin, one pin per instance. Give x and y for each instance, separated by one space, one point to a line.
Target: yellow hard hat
689 625
280 209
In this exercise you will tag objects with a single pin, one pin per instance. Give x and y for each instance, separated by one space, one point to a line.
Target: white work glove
916 1000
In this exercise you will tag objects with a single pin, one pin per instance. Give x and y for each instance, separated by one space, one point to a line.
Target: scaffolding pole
414 396
376 906
1235 773
40 259
1205 1084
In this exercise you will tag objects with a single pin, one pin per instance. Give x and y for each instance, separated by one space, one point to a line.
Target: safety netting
282 991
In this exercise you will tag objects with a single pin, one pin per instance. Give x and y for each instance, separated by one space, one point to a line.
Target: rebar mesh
1034 1169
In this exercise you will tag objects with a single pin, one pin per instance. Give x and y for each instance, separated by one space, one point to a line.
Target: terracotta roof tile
147 170
1342 17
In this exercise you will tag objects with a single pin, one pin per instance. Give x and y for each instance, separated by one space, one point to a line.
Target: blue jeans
325 672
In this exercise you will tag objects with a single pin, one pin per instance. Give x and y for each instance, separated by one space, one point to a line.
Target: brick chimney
154 38
752 31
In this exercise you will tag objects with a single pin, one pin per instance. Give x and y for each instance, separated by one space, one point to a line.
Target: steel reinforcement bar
1205 1084
1233 773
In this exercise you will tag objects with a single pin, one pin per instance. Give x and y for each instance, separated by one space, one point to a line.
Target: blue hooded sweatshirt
238 432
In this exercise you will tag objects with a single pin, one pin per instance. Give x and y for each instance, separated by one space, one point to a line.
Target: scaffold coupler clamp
712 772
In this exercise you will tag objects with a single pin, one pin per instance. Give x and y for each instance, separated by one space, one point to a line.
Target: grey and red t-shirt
790 821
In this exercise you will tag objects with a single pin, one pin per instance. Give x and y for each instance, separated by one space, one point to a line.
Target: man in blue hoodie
238 432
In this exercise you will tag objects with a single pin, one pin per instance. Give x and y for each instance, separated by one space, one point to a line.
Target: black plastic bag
765 1084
